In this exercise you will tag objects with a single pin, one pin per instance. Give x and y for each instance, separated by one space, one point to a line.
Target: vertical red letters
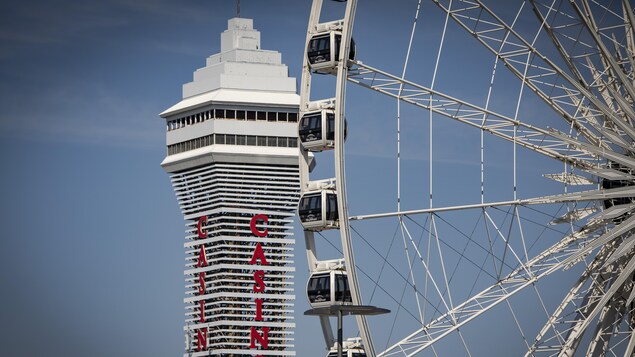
259 282
201 335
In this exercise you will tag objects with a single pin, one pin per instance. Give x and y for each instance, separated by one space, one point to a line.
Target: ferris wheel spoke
545 342
566 30
629 20
540 266
603 298
586 15
548 81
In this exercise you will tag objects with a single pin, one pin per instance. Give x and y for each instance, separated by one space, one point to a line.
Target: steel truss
590 84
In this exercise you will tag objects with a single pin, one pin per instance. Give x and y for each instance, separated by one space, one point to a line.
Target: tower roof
241 73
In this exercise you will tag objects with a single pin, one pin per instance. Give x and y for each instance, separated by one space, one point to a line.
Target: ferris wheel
504 225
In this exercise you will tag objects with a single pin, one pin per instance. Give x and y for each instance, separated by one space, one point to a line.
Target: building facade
232 157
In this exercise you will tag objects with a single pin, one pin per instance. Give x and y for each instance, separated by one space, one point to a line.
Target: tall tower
233 159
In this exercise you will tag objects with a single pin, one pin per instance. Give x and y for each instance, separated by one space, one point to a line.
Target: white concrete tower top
240 34
241 73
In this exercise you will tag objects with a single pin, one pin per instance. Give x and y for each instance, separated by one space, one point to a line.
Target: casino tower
232 157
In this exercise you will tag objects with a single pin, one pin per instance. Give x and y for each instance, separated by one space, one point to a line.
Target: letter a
259 254
202 258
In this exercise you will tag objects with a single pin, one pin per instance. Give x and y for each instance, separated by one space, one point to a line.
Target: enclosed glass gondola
326 288
352 347
317 130
318 210
323 51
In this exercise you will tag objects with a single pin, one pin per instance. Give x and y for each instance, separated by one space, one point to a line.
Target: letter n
202 339
262 339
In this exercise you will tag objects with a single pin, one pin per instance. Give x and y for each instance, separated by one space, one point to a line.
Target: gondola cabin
326 288
317 130
318 210
352 347
323 52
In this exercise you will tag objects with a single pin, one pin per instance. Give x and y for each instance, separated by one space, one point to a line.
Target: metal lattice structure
575 58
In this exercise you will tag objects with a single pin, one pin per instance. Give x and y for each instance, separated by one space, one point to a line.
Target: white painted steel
591 87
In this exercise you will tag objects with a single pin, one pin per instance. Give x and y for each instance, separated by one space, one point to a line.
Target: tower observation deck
232 157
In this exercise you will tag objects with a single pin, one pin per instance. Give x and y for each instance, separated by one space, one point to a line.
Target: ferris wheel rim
562 137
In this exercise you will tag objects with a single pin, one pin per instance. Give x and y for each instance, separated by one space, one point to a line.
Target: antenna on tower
237 8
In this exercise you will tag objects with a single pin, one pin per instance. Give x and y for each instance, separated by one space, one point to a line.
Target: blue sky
92 238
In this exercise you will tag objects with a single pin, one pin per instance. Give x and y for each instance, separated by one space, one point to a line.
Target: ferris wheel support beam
562 254
629 20
480 22
608 89
592 27
528 136
570 298
540 266
581 196
577 332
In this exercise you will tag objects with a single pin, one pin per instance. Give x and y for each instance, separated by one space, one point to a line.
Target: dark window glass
220 138
272 141
310 208
282 116
293 142
342 291
251 115
310 128
240 114
293 117
271 116
282 142
219 113
230 139
331 207
319 288
262 116
262 141
251 140
241 140
319 49
330 127
230 114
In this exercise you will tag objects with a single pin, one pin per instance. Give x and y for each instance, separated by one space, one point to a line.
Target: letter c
253 227
199 227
